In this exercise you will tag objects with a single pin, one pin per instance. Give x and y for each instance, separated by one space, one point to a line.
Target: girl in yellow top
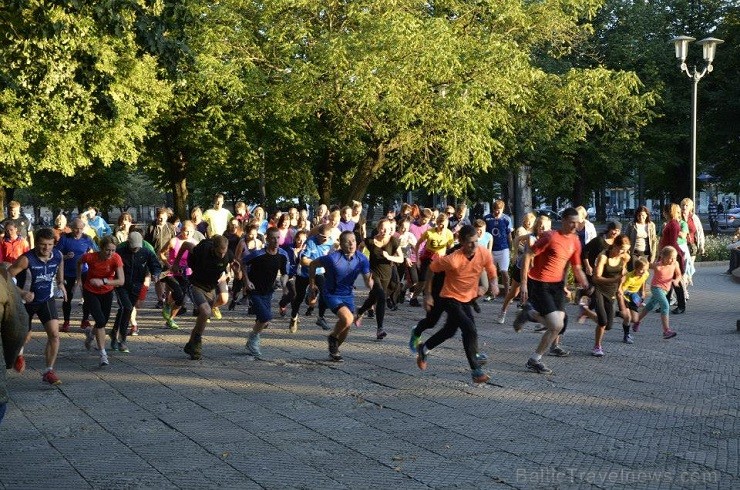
437 239
633 289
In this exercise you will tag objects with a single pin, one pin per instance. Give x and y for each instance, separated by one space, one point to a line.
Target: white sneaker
104 360
501 317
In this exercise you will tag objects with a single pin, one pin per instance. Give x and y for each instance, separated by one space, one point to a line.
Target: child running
665 272
633 290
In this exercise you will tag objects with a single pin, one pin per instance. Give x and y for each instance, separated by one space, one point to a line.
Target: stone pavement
654 414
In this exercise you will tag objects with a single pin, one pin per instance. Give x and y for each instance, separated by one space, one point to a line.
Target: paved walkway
656 413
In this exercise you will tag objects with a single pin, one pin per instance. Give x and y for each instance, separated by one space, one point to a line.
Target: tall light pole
709 46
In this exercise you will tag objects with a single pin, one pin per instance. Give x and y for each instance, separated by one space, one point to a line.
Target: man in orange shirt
462 271
544 267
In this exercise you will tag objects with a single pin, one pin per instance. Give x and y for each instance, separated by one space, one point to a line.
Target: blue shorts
261 304
335 302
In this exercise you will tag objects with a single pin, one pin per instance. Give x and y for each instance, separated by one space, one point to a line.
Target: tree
70 88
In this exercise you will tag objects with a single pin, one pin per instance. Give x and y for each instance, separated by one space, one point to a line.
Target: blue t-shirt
43 275
340 272
314 250
67 243
294 260
500 228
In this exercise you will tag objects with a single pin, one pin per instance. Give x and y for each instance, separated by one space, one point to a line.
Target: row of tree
335 99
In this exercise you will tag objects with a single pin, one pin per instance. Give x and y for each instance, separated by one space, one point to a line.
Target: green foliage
715 248
71 87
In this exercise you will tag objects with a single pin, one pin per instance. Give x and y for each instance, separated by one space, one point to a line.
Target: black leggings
69 286
431 318
179 287
287 299
99 306
376 297
604 307
459 315
301 283
126 301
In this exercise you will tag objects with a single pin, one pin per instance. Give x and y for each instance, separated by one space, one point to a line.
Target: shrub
715 248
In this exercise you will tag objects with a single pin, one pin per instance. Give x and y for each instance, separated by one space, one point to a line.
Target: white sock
102 352
49 368
536 357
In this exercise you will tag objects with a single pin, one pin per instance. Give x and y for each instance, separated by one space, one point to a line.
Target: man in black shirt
260 271
208 260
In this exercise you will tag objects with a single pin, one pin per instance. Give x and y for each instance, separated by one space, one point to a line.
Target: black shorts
46 311
516 274
546 297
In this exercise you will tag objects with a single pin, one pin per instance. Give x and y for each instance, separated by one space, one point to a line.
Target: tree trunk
365 174
2 202
178 180
325 176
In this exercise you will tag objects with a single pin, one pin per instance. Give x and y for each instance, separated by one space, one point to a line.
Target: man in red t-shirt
544 267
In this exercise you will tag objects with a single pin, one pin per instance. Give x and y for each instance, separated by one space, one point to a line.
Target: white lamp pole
709 46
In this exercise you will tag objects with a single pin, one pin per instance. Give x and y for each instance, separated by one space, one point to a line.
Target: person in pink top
666 273
176 285
417 228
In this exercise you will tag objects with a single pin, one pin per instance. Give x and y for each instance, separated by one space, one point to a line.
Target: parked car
729 221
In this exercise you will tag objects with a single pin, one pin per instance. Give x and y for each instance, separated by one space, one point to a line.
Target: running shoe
51 378
538 367
627 339
414 302
85 324
501 317
283 310
334 354
172 325
294 325
558 351
421 357
678 311
216 312
159 305
20 363
113 344
522 317
167 311
321 322
597 352
413 341
122 347
371 313
669 334
381 334
193 350
481 358
309 311
479 376
104 360
134 330
488 298
65 327
540 328
253 345
475 306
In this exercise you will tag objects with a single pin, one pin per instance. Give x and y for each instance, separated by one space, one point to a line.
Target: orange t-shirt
553 251
100 269
463 274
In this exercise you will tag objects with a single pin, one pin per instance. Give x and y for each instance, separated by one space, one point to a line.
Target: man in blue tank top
46 267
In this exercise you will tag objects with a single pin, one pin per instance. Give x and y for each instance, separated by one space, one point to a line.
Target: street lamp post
709 46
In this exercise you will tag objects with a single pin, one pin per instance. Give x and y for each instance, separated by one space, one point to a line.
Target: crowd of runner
444 260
